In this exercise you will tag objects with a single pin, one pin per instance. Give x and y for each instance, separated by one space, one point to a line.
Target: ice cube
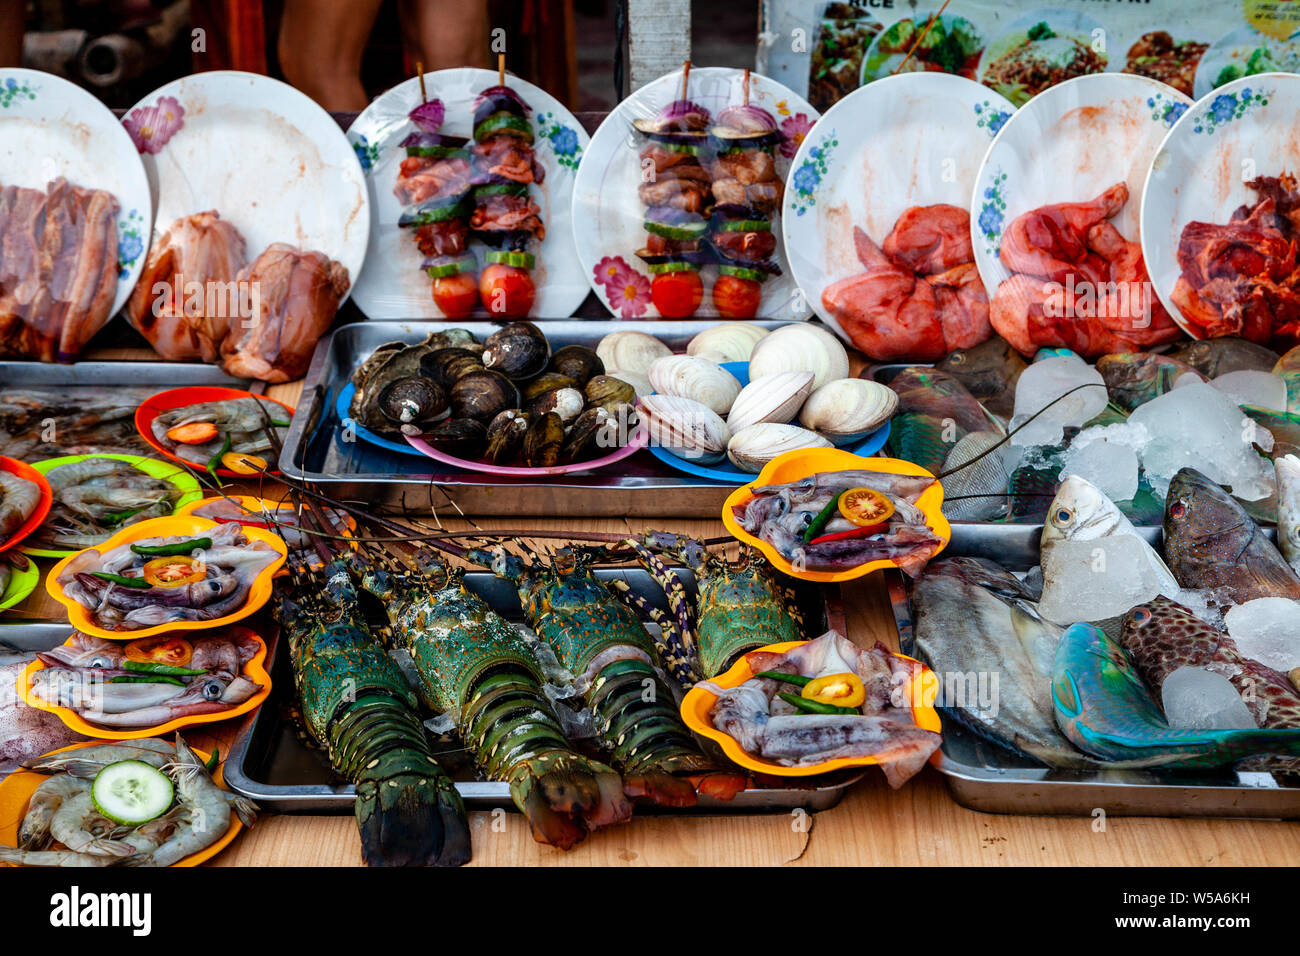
1197 699
1203 428
1253 387
1092 580
1112 467
1267 630
1205 604
1038 390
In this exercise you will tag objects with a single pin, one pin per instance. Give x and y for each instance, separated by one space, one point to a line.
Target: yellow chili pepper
174 571
841 690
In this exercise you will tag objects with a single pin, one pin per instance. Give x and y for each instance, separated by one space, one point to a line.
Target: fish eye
957 358
1139 615
1063 515
1178 509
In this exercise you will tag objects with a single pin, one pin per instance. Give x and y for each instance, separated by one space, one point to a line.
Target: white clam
772 398
750 449
800 347
848 409
685 428
688 377
630 351
728 342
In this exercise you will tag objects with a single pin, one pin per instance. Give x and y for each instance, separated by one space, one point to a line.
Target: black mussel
565 402
482 396
446 366
518 350
505 436
546 382
593 433
606 391
461 437
577 362
413 403
544 440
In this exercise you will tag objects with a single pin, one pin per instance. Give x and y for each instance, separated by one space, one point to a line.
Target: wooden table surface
873 825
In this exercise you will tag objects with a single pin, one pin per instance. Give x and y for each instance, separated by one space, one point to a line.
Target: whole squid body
763 724
1105 709
1211 542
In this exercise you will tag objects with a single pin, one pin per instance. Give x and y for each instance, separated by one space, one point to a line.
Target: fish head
1197 508
1097 694
1080 511
1159 622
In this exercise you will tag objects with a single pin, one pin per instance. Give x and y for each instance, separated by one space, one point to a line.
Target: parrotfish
935 411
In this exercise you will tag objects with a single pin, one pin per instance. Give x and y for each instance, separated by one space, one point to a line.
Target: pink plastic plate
637 442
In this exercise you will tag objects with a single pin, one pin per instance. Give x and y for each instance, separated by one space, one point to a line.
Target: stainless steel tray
316 448
269 764
984 776
76 374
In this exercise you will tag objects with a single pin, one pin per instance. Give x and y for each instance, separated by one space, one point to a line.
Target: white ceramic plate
1069 144
609 216
393 286
1242 130
915 139
262 154
51 128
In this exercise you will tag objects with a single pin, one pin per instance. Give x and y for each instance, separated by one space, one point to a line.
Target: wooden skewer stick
686 77
934 18
419 71
501 69
745 86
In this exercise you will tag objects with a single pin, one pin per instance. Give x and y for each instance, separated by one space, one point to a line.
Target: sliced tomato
677 294
160 650
506 291
865 507
736 298
173 571
456 295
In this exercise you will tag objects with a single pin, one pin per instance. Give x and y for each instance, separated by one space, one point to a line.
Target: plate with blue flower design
394 285
915 139
262 154
1238 133
51 129
1070 144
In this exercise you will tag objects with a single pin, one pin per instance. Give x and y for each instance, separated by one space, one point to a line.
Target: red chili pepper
852 533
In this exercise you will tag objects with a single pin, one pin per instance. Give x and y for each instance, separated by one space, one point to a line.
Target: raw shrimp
46 799
18 499
70 825
143 840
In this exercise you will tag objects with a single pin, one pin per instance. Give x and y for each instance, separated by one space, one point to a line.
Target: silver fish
975 491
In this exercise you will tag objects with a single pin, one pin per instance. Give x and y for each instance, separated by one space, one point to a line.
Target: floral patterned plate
50 128
1071 143
610 216
1242 130
393 286
915 139
260 153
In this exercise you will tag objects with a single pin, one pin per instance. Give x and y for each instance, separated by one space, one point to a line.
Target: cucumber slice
687 148
685 230
746 225
131 792
504 257
660 268
435 152
502 189
739 272
435 211
444 269
506 123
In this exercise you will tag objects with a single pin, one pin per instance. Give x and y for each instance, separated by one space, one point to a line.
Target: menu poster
824 50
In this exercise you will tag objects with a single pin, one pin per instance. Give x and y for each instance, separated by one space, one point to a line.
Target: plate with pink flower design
262 154
51 129
430 222
619 191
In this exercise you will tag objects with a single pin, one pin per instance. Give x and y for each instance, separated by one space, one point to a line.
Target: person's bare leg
13 21
448 33
320 46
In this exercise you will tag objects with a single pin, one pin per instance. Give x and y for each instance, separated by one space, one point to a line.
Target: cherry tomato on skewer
456 296
736 298
677 294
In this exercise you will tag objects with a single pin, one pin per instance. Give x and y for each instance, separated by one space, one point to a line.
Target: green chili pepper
157 679
152 667
816 706
119 579
215 460
173 549
797 679
276 423
211 765
117 517
823 518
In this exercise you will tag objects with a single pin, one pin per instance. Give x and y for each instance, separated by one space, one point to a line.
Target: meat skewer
505 217
677 198
434 183
748 191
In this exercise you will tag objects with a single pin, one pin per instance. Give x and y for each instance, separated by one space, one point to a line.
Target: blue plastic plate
341 408
724 471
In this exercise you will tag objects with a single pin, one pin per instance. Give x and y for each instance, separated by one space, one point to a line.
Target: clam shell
685 428
637 380
750 449
772 398
728 342
800 347
632 351
699 379
848 409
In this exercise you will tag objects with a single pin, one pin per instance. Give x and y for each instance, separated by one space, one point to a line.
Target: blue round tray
341 408
727 473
